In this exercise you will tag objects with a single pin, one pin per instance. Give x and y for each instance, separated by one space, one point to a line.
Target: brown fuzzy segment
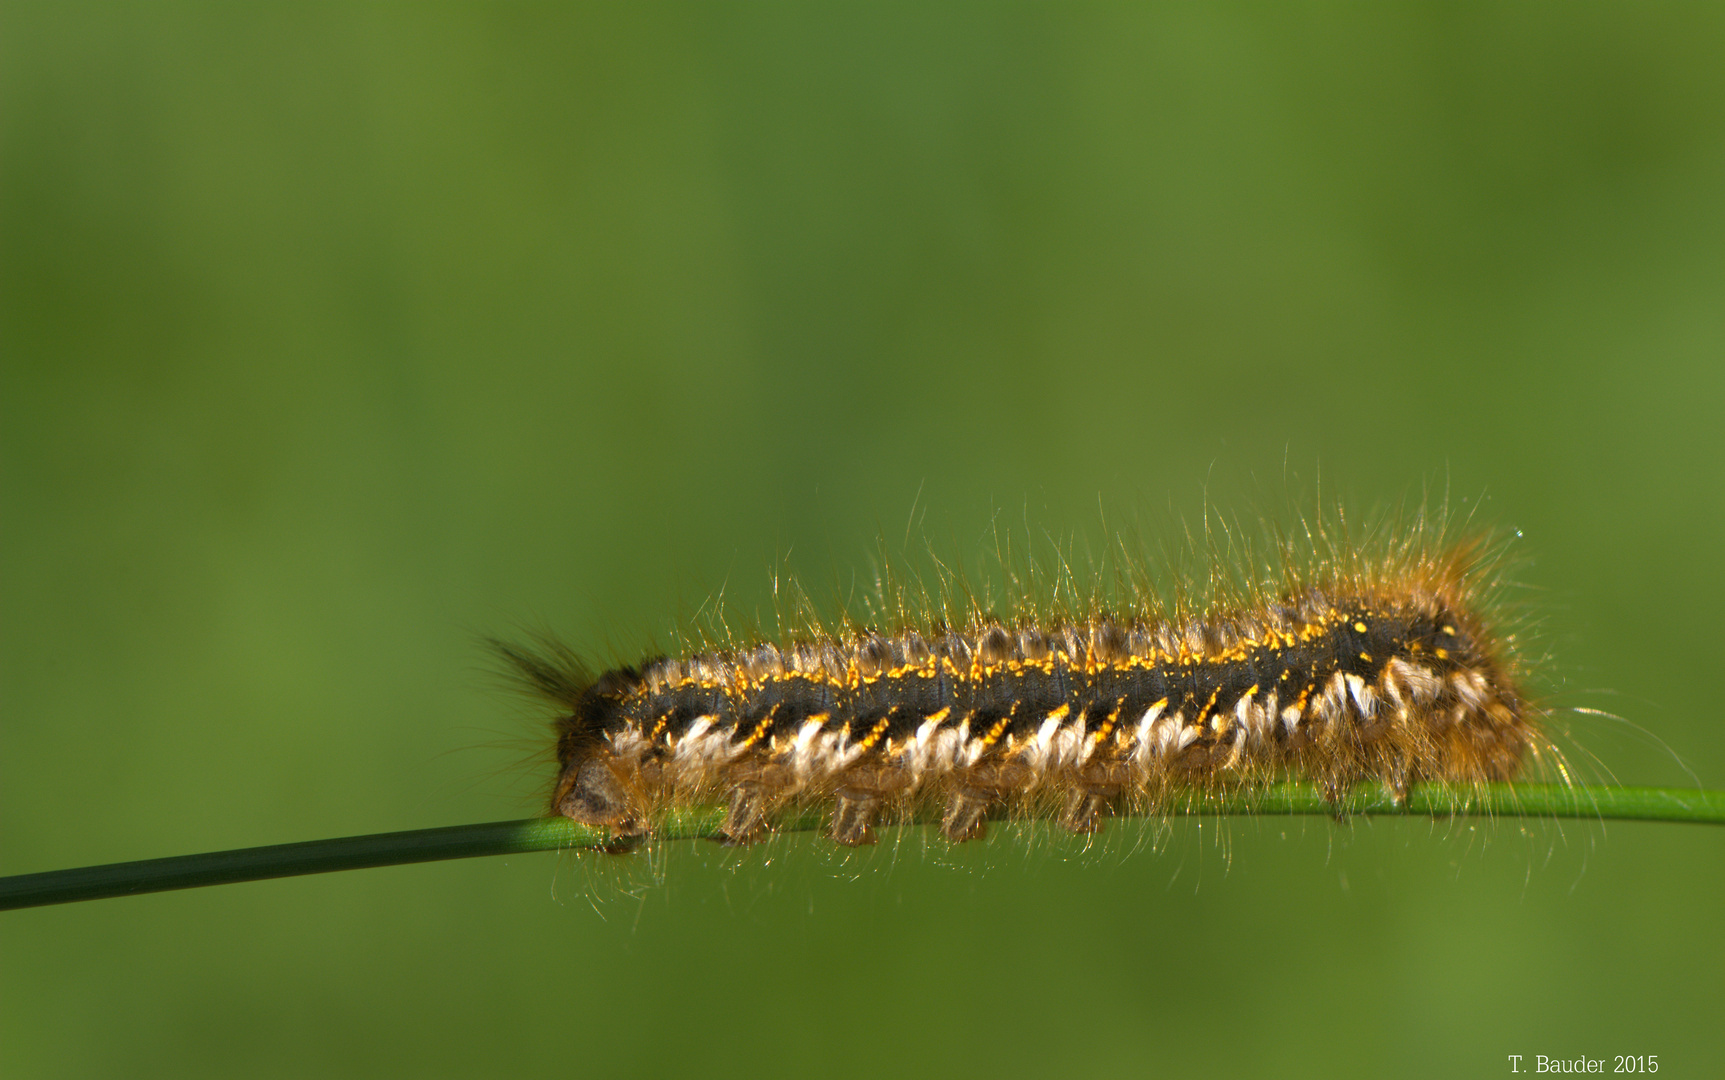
1388 676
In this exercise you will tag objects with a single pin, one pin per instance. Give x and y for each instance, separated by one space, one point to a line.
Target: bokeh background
335 336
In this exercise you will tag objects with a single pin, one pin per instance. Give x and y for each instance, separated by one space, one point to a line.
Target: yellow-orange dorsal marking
874 734
1060 713
760 729
994 732
1205 711
1108 723
939 717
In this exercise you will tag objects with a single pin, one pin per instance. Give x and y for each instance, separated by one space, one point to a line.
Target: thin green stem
552 834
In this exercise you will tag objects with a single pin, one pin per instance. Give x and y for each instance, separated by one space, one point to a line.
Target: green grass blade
550 834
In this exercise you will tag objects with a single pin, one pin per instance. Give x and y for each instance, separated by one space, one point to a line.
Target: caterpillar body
1356 668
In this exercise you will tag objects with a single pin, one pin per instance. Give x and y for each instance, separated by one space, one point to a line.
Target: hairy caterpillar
1344 664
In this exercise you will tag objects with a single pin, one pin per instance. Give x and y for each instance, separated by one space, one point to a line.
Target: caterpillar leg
966 815
853 817
745 816
1084 809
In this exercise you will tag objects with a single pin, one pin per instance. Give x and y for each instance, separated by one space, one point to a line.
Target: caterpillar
1340 666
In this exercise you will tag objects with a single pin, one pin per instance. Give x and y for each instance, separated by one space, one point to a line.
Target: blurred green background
335 336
